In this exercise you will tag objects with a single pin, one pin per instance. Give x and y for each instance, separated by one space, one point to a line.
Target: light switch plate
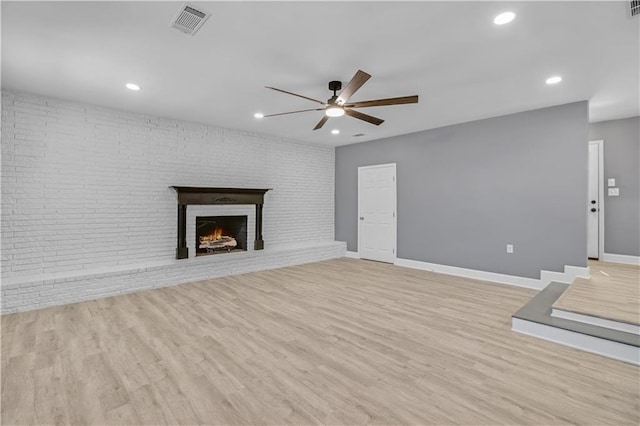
509 248
611 182
614 192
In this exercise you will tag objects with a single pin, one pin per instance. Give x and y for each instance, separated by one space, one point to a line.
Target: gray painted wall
622 162
465 191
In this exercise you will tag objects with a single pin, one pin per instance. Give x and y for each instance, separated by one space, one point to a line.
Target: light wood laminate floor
341 342
612 292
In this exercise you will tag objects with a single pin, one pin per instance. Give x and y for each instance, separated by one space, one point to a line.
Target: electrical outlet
614 192
510 248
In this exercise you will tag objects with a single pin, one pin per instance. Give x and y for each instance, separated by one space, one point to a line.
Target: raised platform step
535 319
610 297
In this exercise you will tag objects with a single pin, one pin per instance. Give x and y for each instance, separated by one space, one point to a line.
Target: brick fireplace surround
216 196
88 210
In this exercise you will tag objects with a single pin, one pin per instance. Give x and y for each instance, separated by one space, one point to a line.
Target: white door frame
601 185
395 207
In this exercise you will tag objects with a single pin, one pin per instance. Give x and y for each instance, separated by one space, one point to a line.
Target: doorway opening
595 206
377 227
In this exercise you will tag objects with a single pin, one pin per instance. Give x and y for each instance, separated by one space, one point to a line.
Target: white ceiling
450 53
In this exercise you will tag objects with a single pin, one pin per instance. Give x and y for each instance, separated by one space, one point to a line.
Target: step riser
608 348
600 322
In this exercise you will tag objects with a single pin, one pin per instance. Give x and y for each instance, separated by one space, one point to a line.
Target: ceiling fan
337 105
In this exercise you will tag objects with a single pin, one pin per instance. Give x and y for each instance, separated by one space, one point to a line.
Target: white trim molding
352 254
471 273
625 327
570 273
596 345
621 258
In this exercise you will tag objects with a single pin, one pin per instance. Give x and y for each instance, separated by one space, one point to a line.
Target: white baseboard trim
352 254
571 273
597 321
471 273
414 264
607 348
621 258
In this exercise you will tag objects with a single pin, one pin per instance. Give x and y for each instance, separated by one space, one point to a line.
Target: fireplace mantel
211 196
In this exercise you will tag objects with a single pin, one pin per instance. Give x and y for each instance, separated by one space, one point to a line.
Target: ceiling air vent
635 7
189 19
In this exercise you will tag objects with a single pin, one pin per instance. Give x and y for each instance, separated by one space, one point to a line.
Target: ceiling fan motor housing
332 100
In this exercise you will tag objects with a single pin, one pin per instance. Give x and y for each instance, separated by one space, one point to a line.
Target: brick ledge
27 293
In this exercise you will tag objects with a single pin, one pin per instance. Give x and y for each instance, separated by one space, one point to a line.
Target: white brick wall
86 187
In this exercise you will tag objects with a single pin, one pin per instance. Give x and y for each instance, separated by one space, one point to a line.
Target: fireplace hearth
220 234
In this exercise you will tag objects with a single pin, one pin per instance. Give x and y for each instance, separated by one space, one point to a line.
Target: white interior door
377 212
593 208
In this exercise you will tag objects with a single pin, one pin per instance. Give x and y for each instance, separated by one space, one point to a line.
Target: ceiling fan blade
293 112
364 117
295 94
356 82
382 102
321 122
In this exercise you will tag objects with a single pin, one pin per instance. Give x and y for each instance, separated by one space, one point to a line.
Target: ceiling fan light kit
334 111
338 105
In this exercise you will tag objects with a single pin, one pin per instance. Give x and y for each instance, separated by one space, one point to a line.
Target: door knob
593 210
593 201
361 218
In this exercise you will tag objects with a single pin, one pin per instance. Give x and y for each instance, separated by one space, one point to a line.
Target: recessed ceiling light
132 86
504 18
554 80
258 115
335 131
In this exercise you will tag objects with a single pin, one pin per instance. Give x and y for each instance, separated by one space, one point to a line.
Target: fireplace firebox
220 234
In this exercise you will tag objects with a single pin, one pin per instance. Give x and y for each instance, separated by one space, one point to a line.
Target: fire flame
215 235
